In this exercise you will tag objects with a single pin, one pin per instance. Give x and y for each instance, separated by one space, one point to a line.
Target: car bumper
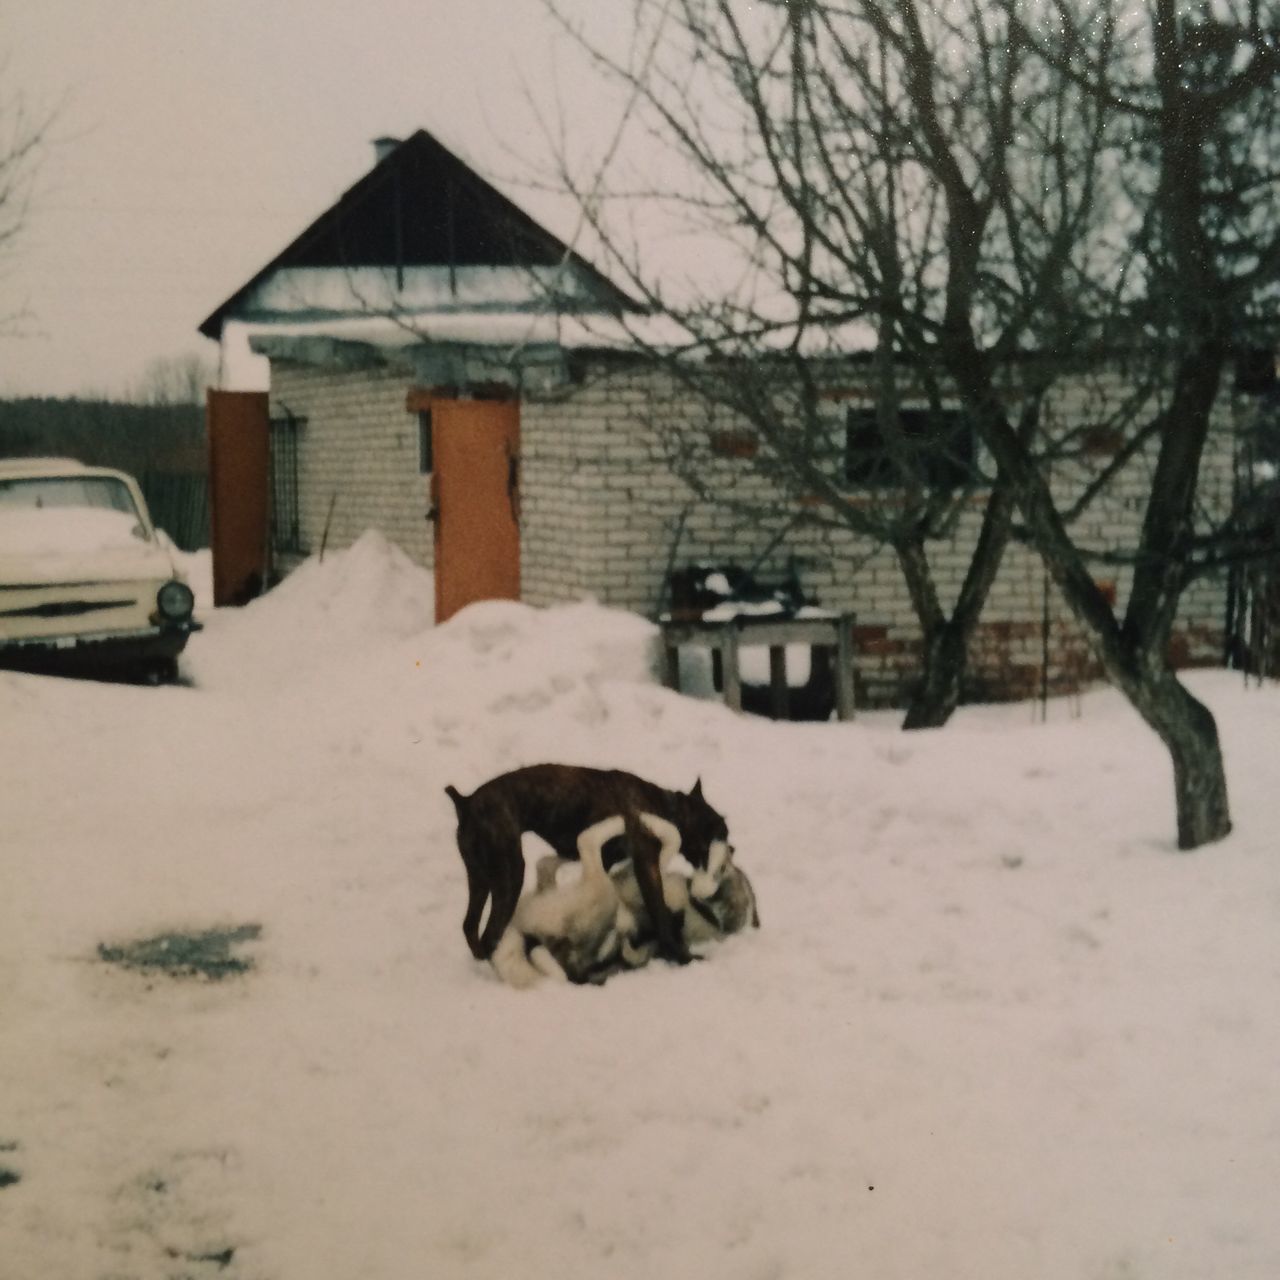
125 648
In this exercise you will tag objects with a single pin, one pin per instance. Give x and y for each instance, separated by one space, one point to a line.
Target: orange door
476 497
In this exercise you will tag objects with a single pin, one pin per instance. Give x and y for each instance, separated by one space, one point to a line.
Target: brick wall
605 514
601 494
357 457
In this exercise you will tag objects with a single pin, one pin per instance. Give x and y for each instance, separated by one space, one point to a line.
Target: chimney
383 147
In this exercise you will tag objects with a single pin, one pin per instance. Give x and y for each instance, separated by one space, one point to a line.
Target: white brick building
584 473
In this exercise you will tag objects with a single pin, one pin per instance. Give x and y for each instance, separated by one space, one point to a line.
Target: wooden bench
727 635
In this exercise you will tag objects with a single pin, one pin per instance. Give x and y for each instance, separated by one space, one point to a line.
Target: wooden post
844 666
671 667
732 674
779 694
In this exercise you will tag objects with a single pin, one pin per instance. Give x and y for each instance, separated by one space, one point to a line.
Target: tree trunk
945 648
1132 656
1187 728
944 659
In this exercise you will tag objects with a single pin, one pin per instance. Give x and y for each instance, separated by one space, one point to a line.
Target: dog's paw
514 962
636 952
546 964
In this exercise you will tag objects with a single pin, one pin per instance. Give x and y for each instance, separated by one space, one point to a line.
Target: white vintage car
85 580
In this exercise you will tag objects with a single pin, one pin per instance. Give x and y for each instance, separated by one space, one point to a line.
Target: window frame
950 464
284 431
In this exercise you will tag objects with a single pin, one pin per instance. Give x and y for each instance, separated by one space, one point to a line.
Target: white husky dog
571 932
584 930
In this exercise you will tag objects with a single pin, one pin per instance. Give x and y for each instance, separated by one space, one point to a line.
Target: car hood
117 564
88 547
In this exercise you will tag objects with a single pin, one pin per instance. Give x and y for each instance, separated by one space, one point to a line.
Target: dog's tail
459 800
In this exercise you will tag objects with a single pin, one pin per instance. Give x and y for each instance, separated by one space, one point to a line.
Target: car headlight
175 601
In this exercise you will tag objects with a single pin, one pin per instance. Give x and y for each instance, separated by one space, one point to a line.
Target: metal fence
179 503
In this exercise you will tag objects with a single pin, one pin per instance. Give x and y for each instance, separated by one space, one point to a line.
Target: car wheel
162 671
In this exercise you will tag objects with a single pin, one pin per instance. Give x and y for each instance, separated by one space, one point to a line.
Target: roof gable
422 206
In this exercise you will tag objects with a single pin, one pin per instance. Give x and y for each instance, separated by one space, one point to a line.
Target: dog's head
704 841
733 905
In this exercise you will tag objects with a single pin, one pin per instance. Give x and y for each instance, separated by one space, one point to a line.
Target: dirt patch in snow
209 954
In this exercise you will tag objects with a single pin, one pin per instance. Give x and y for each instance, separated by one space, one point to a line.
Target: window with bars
286 521
941 448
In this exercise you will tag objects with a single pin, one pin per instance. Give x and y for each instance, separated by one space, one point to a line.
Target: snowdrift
994 1025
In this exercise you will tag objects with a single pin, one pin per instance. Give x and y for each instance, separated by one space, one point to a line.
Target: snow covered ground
993 1025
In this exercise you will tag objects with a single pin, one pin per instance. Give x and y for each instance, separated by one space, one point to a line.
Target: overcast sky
194 139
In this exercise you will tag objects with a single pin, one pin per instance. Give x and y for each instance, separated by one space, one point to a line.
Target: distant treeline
105 433
162 445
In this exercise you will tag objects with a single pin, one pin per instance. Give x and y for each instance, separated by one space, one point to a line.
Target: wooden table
727 635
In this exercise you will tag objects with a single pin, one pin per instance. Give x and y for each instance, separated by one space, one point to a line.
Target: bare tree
22 135
792 137
170 380
1001 192
1191 89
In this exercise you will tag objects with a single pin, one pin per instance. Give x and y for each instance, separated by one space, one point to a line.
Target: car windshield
104 493
67 514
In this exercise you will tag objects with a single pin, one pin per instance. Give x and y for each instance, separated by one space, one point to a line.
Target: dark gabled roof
422 206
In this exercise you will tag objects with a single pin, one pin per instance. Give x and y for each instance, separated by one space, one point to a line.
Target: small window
941 447
426 456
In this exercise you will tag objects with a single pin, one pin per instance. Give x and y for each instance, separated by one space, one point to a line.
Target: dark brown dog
558 802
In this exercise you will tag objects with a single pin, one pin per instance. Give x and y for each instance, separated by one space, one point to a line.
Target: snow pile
371 588
993 1024
328 612
500 656
367 610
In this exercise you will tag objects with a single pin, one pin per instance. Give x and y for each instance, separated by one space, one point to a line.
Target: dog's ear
696 793
457 798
